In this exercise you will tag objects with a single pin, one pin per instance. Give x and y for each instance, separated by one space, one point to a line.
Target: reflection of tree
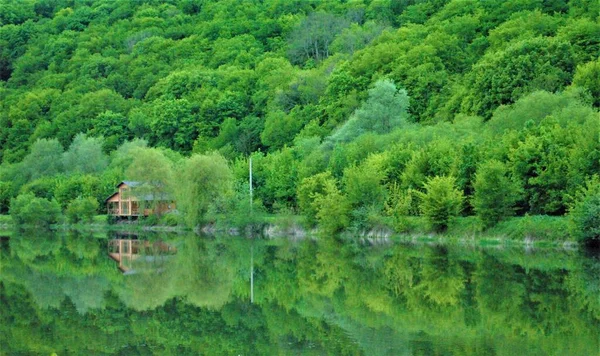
501 294
53 266
324 297
442 279
29 245
196 272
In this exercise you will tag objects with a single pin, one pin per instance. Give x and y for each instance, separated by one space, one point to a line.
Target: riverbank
538 230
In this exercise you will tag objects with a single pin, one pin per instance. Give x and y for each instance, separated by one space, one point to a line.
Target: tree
502 77
85 155
173 124
154 171
44 159
313 36
279 130
363 184
27 209
495 194
70 188
587 77
584 214
441 201
308 190
82 209
332 209
385 109
204 182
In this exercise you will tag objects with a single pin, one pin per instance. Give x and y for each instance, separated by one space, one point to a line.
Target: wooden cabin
133 200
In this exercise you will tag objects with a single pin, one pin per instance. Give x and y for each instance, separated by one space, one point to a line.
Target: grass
541 230
535 227
100 219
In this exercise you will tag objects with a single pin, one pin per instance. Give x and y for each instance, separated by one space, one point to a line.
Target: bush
495 194
400 205
332 209
82 209
585 219
441 202
170 219
150 220
308 189
26 209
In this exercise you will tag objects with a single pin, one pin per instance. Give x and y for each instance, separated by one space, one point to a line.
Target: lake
76 293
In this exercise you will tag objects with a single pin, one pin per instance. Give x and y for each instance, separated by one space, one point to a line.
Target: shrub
441 202
308 189
585 214
170 219
332 209
26 209
82 209
400 205
495 194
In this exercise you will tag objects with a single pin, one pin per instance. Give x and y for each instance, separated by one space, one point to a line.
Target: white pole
250 184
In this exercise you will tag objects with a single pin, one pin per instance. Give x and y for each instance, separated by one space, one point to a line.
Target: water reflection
308 297
130 253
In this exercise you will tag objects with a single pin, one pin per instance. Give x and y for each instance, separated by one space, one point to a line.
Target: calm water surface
64 294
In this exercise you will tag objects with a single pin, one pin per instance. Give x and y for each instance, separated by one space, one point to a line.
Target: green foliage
279 130
43 187
313 36
281 174
44 159
585 213
70 188
587 76
400 205
364 184
82 210
27 209
440 202
85 156
332 208
495 194
314 83
533 227
385 109
204 183
533 64
154 170
173 124
308 190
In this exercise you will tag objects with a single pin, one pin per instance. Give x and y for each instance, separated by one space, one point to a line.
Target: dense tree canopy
424 88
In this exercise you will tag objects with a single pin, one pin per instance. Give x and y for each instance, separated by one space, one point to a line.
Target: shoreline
527 231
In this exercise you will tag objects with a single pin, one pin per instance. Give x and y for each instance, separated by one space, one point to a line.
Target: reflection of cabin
126 251
131 199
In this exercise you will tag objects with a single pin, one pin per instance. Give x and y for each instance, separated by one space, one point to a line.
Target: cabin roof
130 183
112 195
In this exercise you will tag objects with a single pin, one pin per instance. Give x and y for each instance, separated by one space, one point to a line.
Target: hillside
353 111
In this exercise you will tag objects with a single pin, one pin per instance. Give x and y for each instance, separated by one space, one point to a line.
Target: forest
356 114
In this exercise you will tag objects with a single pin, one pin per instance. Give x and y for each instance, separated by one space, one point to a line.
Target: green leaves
26 209
501 78
203 183
495 194
441 202
385 109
